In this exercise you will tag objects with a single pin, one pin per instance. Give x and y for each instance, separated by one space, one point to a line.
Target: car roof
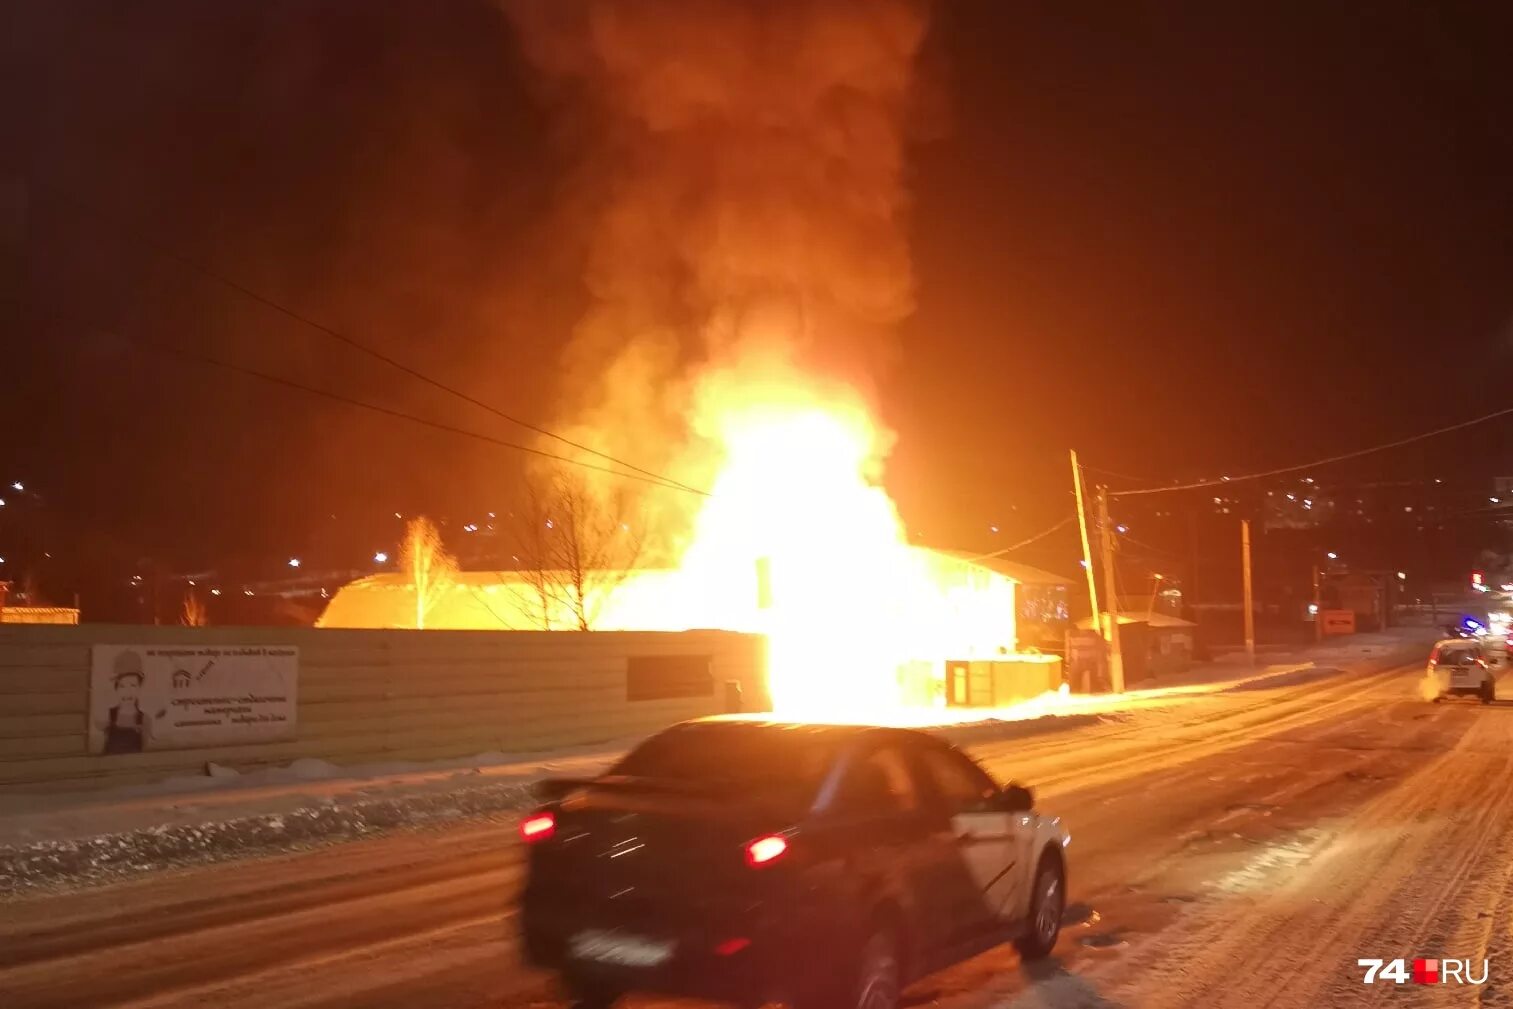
766 721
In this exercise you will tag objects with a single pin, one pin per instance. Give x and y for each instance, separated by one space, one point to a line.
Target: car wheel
1047 903
879 975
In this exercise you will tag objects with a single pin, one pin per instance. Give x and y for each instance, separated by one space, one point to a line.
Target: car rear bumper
728 958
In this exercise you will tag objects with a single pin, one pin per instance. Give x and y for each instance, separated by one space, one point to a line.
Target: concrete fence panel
366 696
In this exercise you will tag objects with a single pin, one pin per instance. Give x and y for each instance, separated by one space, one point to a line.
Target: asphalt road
1241 849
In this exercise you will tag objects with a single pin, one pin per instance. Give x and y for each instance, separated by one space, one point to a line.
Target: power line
205 269
205 359
1108 472
1224 481
1126 538
1024 543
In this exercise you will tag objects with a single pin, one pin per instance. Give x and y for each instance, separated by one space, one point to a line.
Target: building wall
367 695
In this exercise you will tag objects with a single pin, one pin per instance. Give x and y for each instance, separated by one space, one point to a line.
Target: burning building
737 182
939 611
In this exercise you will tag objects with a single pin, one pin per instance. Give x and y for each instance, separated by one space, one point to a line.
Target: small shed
1152 643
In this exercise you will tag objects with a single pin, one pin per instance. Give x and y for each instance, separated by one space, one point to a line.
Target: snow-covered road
1234 849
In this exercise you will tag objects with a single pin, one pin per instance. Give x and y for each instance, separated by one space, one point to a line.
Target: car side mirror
1016 799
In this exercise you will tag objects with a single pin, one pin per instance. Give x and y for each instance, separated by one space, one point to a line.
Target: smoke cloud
739 179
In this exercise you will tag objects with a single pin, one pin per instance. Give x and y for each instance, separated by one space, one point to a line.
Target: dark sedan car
757 862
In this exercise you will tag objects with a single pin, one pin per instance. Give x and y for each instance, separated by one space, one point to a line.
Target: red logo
1426 972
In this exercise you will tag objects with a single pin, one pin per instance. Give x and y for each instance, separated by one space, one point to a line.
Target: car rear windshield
771 761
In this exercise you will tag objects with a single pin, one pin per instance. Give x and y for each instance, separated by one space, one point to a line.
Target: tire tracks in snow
1406 875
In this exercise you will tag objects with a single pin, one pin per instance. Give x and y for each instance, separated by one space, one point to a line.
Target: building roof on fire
1021 573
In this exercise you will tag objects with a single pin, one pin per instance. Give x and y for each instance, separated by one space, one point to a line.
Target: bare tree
193 613
424 560
31 589
578 544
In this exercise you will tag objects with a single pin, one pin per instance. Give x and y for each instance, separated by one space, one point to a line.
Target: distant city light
1082 564
191 581
2 502
2 560
294 562
1224 478
549 524
1313 609
246 592
1402 576
17 486
380 558
992 529
398 516
1292 497
1333 556
491 514
215 592
1123 529
1495 500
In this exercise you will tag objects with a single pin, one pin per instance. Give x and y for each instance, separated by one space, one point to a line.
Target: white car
1459 668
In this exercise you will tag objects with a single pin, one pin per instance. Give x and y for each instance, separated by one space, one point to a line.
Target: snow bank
108 855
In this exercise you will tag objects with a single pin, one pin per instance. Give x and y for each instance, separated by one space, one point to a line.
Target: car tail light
730 947
538 827
765 849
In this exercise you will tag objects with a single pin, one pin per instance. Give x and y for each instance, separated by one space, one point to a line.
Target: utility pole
1250 611
1115 656
1087 566
1318 605
1087 550
1192 538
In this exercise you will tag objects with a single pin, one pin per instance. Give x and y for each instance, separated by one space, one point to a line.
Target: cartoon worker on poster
126 725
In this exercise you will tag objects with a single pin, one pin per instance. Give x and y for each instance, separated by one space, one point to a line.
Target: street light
1333 556
1402 576
294 562
380 558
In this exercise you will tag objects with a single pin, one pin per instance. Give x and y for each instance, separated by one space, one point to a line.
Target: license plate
619 948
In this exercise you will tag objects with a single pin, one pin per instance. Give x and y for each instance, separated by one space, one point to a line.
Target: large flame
793 506
799 541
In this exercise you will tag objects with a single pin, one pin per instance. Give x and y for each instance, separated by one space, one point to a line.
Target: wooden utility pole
1318 605
1250 610
1115 656
1087 550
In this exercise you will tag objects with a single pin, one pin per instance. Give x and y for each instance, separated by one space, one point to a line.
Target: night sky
1182 238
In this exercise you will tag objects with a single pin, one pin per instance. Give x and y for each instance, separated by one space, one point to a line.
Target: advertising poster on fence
174 697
